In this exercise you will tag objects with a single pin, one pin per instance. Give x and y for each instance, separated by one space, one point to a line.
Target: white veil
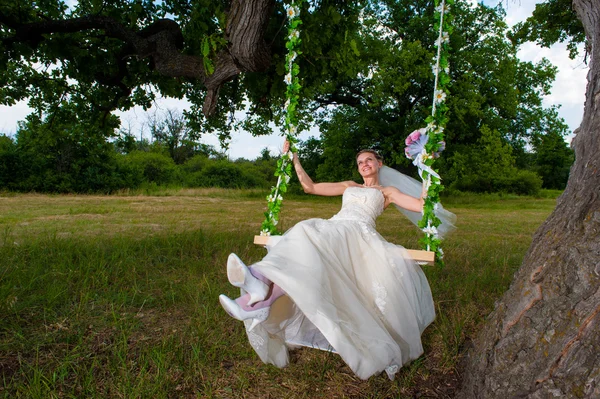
414 188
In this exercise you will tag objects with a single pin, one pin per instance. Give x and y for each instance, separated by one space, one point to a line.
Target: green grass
116 296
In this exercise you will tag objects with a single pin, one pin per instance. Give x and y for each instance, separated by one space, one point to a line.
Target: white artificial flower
440 96
427 185
290 155
270 198
292 129
287 104
291 12
435 69
287 179
288 79
295 34
441 253
445 37
279 197
275 221
431 230
265 233
293 56
442 8
431 126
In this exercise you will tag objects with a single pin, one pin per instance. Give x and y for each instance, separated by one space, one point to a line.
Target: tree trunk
543 338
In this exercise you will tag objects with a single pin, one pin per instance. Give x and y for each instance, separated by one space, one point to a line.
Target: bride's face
368 165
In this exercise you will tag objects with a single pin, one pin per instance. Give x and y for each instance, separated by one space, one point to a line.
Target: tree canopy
552 21
365 70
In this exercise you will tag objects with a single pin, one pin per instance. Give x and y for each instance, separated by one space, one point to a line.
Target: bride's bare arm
310 187
394 196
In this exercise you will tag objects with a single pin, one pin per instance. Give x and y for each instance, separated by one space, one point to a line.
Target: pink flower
414 136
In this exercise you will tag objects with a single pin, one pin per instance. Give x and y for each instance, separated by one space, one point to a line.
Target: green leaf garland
284 164
436 123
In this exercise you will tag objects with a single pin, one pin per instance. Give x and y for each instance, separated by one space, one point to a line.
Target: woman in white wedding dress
337 284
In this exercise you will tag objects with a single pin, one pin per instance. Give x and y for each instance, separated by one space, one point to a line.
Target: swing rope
284 163
422 145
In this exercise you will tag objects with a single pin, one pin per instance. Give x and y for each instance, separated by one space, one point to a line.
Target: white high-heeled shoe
239 275
234 310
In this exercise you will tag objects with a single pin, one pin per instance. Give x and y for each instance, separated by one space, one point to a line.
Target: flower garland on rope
284 163
424 145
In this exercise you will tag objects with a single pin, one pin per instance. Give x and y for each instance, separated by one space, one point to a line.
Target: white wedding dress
348 291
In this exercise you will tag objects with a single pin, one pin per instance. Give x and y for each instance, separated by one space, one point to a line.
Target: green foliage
65 153
366 80
489 166
30 163
292 95
125 142
9 163
488 85
171 131
522 182
205 172
310 152
149 167
436 123
552 21
553 159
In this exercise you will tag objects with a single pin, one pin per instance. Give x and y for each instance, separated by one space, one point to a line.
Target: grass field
116 296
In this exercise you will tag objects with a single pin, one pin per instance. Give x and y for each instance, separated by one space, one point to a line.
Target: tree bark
543 338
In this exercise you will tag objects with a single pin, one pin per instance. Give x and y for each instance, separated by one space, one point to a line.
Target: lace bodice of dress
362 204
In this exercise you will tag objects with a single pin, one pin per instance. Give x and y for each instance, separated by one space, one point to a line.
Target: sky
568 91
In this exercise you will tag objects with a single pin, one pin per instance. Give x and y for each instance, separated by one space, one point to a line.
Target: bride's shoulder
386 190
351 184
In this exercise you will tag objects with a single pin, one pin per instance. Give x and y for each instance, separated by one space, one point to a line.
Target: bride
336 284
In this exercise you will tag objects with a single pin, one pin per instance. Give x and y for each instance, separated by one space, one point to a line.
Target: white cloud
9 116
568 89
518 11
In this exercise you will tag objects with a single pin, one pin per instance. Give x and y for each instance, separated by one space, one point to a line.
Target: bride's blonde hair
377 156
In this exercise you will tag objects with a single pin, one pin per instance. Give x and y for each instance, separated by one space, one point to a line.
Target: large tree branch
162 41
338 99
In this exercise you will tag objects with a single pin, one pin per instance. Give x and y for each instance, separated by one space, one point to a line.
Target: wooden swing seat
422 257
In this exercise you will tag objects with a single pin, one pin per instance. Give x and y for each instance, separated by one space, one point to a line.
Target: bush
194 164
9 162
201 171
137 167
488 167
523 182
225 174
